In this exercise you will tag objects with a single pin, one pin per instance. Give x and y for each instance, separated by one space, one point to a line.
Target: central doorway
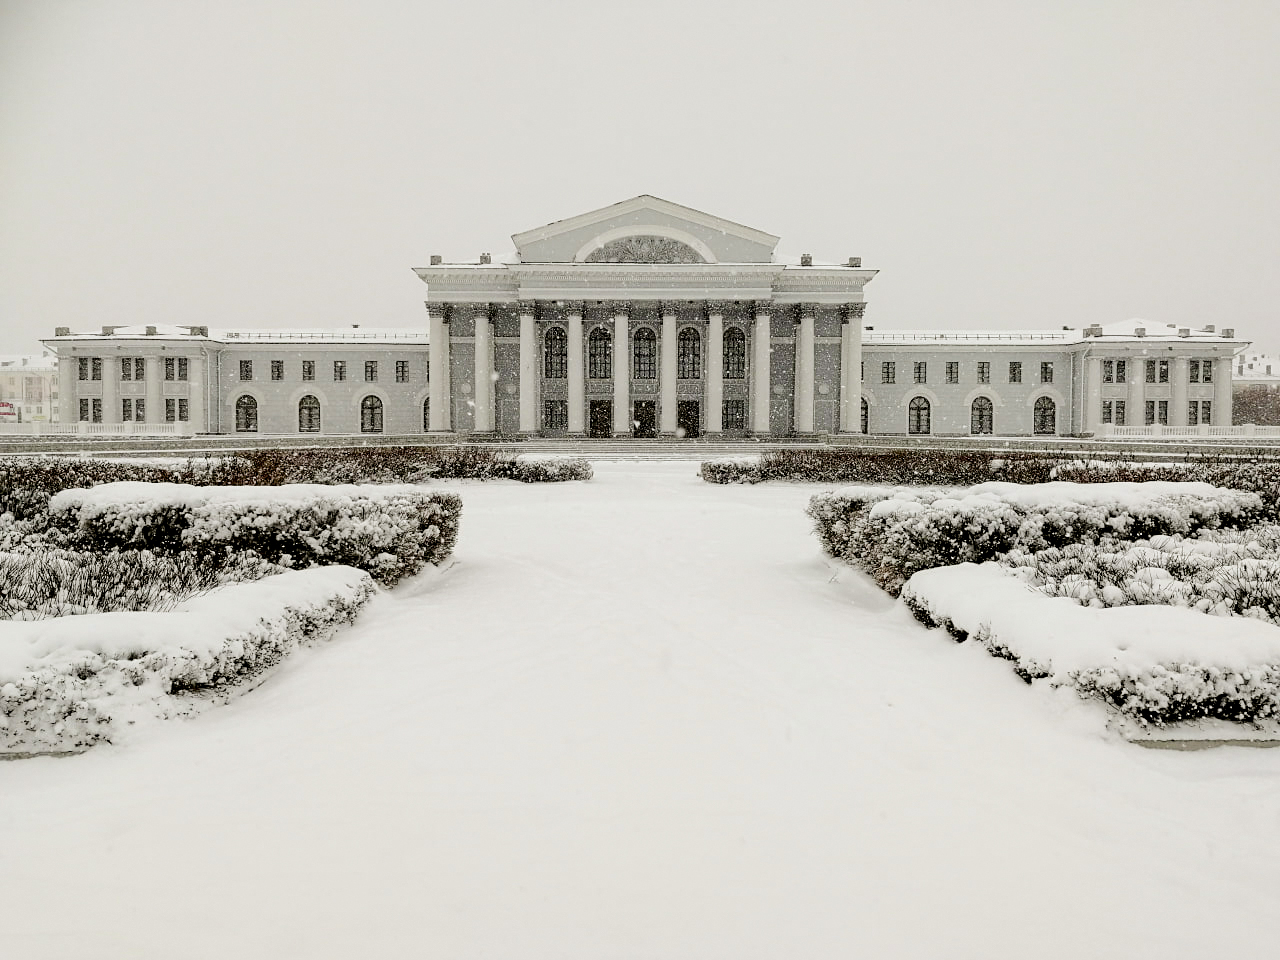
644 425
601 426
687 419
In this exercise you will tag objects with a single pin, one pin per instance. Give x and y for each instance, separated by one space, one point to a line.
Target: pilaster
668 420
851 369
621 370
438 359
804 369
713 371
528 367
761 350
484 383
577 372
111 388
154 373
1178 395
1221 392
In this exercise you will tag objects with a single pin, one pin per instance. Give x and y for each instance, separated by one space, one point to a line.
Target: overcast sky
1005 165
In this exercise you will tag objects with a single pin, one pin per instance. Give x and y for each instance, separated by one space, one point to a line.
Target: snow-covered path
639 718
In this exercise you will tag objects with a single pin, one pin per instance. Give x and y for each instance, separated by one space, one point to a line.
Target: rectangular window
246 369
139 368
1206 371
953 371
308 369
1108 371
170 368
984 372
1163 367
82 366
862 370
84 411
170 410
1122 371
140 410
277 369
555 416
1106 411
126 368
1015 371
1150 371
402 371
1193 412
126 409
1120 413
1162 412
920 371
1046 371
182 368
888 372
97 410
1149 413
1193 371
735 415
96 366
370 371
184 409
1206 411
339 370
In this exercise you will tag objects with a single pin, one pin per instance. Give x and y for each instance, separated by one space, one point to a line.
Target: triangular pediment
645 229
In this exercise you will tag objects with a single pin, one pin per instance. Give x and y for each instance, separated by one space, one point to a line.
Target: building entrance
687 419
601 425
644 425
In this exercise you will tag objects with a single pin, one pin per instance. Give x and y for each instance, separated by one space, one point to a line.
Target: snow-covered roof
352 334
1126 330
28 363
1258 367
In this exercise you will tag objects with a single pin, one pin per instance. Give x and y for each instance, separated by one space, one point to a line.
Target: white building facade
647 319
29 389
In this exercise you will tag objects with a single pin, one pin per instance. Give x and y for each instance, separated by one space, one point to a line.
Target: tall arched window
1045 418
308 415
982 416
866 415
599 354
371 414
689 354
735 354
918 415
246 415
555 354
645 355
426 414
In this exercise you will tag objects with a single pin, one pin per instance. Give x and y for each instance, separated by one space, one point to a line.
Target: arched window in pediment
644 249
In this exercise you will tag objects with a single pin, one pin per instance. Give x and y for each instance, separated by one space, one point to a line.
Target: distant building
647 319
1256 389
29 389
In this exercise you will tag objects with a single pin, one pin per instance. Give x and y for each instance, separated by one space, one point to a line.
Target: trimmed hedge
950 468
893 534
388 531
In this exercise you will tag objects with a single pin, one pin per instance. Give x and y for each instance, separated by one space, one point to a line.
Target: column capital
669 308
856 311
716 306
764 308
618 308
528 308
573 308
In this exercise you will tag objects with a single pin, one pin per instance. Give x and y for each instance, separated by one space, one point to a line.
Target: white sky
1004 164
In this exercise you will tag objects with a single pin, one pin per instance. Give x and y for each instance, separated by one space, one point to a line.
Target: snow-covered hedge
70 682
953 467
1233 573
539 469
35 584
894 533
1154 664
1258 474
389 530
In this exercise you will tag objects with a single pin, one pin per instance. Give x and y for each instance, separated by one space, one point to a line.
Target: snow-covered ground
640 717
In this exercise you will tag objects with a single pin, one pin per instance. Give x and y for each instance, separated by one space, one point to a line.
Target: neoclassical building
646 319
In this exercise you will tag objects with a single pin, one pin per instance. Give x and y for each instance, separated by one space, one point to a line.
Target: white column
761 350
438 358
803 394
1221 391
621 372
528 370
577 375
713 371
155 370
68 402
197 377
1136 409
111 389
1178 400
851 370
668 371
483 369
1092 394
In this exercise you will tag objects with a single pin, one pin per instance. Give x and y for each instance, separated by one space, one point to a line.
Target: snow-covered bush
388 464
1237 572
893 534
951 467
35 584
534 469
1153 664
69 682
391 531
1258 474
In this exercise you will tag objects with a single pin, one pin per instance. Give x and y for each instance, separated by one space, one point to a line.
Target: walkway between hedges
640 717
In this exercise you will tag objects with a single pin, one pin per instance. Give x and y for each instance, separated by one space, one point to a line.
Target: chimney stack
855 261
485 259
151 331
436 259
1229 332
62 331
806 259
